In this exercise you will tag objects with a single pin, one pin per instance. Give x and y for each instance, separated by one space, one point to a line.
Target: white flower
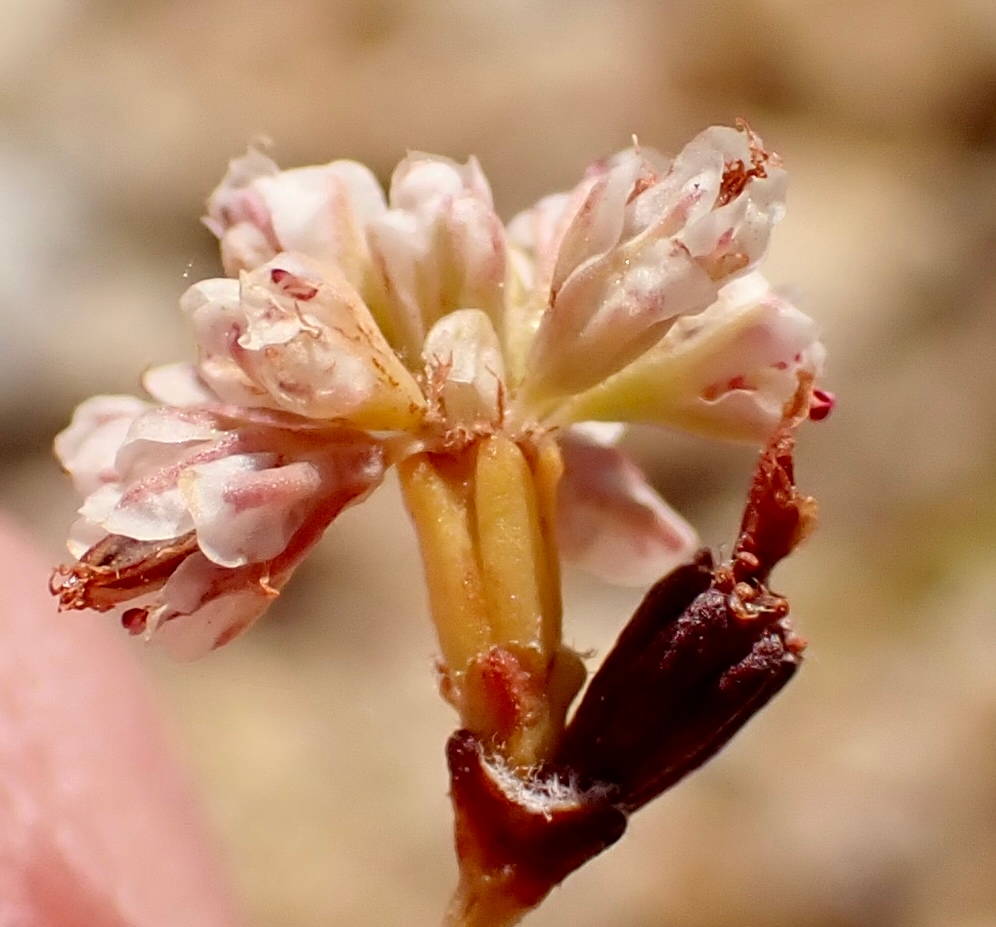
356 330
647 243
196 516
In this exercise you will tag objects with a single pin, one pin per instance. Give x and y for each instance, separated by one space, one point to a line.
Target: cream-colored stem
511 544
436 491
484 518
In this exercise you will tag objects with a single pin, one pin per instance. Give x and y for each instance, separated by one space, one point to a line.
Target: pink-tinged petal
422 178
177 385
152 506
170 425
89 528
635 299
312 346
204 606
471 258
211 622
229 204
238 215
611 522
534 238
671 196
322 212
398 244
215 312
246 510
149 512
164 436
537 232
647 247
87 448
727 372
245 246
597 224
464 369
440 248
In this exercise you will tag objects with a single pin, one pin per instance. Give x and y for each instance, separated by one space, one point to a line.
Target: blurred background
866 794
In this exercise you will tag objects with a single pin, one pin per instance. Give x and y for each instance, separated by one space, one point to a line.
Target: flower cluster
356 331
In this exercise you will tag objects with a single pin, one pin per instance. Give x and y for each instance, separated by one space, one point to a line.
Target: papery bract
87 448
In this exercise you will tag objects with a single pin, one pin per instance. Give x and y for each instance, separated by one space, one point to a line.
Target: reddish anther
293 285
134 620
821 404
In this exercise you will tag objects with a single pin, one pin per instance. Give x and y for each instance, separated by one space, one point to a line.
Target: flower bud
465 369
259 211
439 248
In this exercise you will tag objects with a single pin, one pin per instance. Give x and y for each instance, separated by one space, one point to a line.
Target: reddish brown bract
117 569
